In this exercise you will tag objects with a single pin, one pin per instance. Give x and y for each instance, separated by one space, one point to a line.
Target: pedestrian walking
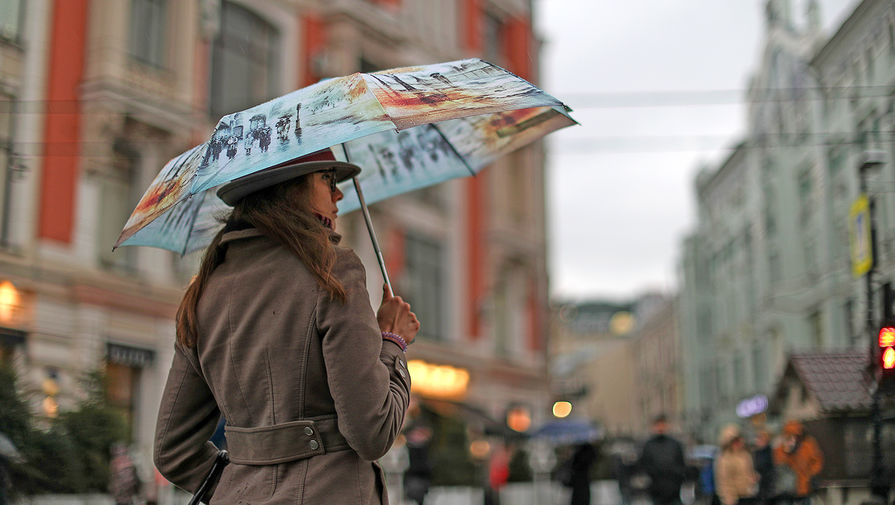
799 453
735 476
662 459
498 473
418 434
763 459
707 493
623 468
124 485
276 333
583 459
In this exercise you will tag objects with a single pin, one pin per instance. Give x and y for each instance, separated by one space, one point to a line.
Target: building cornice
177 119
851 23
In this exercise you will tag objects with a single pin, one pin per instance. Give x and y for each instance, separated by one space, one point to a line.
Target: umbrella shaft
366 213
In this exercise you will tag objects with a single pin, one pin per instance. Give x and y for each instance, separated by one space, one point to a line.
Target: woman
735 477
277 335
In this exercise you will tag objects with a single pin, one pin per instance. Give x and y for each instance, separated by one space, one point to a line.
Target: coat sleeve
187 418
368 377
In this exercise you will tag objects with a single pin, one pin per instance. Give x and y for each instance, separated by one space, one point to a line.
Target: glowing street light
562 409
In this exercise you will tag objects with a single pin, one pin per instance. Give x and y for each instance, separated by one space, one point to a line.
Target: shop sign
437 381
126 355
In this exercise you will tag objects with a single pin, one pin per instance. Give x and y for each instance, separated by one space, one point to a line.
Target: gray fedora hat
238 189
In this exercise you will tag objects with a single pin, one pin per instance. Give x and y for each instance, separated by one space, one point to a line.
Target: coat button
313 445
401 373
308 431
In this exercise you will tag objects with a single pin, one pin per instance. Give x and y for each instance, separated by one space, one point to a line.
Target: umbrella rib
193 220
453 148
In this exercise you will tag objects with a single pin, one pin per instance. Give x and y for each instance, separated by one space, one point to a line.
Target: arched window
245 60
118 191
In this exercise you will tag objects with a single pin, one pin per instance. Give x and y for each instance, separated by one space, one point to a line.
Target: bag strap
213 475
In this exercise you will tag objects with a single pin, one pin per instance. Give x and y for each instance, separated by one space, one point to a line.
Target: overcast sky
620 196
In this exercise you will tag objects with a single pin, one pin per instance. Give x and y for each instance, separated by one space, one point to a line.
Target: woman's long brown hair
282 213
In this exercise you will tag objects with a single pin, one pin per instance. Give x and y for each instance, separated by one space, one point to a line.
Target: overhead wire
599 99
588 100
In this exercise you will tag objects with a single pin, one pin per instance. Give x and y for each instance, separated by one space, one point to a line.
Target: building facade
768 270
657 353
99 94
618 363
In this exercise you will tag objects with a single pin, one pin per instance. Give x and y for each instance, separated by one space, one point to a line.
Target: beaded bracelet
396 339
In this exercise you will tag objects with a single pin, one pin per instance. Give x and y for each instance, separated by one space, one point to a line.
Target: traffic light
887 350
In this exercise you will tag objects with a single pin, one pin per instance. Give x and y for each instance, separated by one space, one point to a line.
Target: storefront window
124 367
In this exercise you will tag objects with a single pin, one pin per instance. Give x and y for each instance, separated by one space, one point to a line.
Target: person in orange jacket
802 454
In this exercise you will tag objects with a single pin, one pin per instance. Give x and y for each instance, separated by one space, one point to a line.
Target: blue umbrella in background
568 432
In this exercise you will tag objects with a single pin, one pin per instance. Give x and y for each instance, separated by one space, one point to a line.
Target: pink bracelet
396 339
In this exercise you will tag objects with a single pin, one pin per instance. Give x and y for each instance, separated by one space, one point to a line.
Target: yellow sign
859 238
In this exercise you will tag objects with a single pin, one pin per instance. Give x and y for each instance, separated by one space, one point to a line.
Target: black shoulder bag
213 475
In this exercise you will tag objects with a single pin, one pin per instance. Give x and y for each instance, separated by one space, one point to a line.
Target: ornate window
245 60
148 31
7 161
118 193
424 283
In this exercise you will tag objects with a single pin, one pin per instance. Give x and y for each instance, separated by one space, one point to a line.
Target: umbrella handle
366 213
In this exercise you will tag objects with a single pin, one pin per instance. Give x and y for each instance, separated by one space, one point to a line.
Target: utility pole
873 160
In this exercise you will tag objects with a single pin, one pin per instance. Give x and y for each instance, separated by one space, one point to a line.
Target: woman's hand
394 315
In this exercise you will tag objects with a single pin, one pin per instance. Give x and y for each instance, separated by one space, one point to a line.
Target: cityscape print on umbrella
407 128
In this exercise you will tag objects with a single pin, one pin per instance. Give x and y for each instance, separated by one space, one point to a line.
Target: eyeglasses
330 177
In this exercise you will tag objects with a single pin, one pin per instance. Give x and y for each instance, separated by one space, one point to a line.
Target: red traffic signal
887 347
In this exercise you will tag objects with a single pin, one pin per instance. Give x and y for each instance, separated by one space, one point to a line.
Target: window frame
151 22
219 103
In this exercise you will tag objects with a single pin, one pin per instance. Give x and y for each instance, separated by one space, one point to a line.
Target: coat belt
281 443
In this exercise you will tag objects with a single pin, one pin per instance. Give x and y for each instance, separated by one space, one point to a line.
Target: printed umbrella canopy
408 128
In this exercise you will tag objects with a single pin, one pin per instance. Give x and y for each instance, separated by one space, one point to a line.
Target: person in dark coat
582 459
662 459
622 469
763 457
418 476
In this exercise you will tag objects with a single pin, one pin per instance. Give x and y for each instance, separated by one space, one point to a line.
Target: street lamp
871 161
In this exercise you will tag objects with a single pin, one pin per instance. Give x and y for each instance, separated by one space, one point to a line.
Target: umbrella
8 449
408 128
568 432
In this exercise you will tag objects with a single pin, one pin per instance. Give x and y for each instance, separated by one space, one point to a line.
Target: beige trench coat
311 393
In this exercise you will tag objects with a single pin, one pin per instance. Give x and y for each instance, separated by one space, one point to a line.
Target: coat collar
248 233
241 234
